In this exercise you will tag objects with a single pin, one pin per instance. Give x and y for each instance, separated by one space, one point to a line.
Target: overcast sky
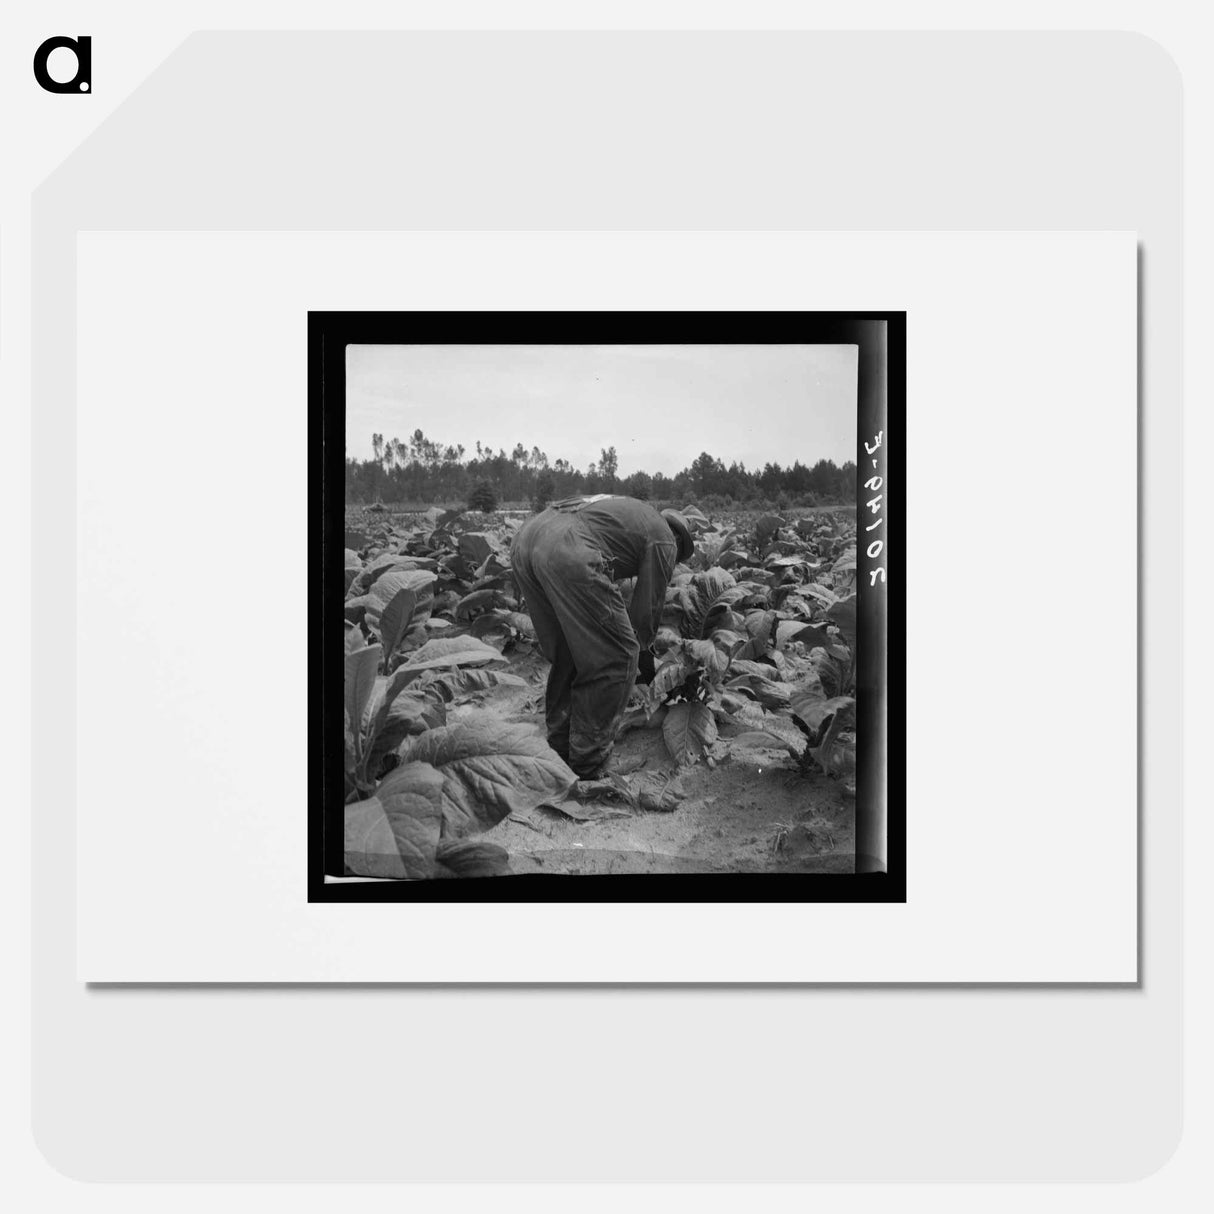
659 406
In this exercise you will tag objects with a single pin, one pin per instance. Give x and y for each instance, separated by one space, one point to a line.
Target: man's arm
649 593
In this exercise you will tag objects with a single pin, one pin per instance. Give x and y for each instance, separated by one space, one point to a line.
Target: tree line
419 469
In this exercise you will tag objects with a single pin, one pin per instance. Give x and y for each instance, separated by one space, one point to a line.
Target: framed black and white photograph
607 606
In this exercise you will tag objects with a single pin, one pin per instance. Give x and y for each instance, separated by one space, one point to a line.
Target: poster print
609 606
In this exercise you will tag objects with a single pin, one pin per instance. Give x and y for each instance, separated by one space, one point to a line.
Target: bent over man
566 562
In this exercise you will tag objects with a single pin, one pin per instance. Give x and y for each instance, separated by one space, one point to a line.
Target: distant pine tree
482 498
545 490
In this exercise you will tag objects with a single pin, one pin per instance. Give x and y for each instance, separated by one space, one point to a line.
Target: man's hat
682 533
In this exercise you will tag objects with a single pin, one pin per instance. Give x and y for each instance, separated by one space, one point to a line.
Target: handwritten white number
874 483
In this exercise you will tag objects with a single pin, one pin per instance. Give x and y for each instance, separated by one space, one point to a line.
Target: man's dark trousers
584 631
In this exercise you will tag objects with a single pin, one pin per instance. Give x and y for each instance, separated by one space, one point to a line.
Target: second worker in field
566 562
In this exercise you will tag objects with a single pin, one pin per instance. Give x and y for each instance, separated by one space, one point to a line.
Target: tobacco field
739 756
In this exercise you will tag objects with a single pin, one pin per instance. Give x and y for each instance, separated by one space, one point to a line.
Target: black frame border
881 396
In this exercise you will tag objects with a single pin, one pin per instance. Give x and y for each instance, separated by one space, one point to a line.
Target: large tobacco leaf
395 619
361 668
355 608
689 730
384 693
821 593
762 670
475 547
797 630
766 528
846 564
376 568
709 658
712 591
384 718
760 628
461 680
503 621
490 769
395 832
770 693
711 546
479 600
843 615
411 713
811 706
671 674
833 668
384 592
833 753
451 651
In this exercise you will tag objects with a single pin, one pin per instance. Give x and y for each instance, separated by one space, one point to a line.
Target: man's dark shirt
636 541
